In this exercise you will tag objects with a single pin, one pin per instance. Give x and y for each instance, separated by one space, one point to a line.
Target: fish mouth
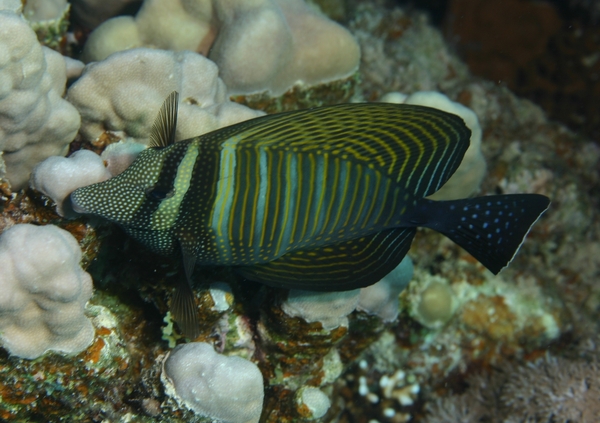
77 207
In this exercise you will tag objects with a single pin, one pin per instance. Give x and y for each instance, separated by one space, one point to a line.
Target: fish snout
76 202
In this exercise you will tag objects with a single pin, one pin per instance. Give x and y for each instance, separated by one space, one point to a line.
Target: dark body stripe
309 178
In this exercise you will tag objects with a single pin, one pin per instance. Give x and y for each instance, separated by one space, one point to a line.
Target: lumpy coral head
270 45
35 122
123 93
229 389
43 292
259 45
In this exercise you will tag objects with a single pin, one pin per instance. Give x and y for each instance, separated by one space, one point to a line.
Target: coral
310 48
328 308
381 298
49 20
265 45
57 177
436 304
43 10
43 292
214 385
402 52
123 93
312 402
369 369
118 156
15 6
554 389
117 34
36 122
467 178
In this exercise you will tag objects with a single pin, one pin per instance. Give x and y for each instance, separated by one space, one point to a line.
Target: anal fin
183 303
338 267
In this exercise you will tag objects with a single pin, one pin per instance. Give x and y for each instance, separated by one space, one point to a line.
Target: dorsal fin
163 130
419 147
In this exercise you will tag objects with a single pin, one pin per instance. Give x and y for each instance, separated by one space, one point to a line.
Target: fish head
130 197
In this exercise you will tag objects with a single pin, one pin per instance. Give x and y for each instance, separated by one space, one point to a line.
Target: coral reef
200 378
266 45
36 122
50 21
549 390
44 292
453 343
56 177
328 308
123 93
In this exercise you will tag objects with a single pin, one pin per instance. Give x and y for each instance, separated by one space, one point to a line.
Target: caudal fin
490 228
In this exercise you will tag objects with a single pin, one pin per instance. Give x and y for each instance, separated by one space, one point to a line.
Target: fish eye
158 193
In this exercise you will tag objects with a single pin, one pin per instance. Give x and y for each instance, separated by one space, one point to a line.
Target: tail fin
490 228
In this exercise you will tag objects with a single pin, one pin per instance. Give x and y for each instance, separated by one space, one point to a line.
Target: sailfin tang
490 228
165 124
339 267
183 304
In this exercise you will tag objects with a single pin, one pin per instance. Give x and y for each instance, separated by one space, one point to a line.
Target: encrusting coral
123 93
265 45
35 121
43 292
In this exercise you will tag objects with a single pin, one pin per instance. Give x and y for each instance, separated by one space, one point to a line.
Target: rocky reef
439 339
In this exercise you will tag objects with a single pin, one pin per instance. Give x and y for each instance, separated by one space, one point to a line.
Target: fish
322 199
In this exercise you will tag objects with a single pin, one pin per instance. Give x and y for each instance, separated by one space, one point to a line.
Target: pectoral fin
339 267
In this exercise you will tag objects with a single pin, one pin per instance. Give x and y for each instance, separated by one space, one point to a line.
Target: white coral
328 308
57 177
124 93
35 122
259 45
229 389
43 292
